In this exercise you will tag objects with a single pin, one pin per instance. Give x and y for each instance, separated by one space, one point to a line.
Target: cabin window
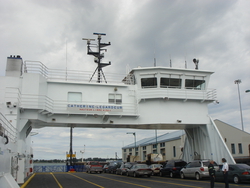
154 145
144 156
162 151
115 98
240 148
174 151
144 147
195 84
170 83
149 82
162 144
233 148
74 97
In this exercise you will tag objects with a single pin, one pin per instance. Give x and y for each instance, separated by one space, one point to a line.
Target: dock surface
104 180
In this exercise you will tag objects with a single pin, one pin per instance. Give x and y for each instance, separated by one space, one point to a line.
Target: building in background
170 145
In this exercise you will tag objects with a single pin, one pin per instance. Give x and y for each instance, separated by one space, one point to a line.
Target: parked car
155 169
197 169
123 168
237 173
172 168
94 166
105 168
113 166
139 170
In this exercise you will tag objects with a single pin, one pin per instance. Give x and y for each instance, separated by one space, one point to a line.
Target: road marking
56 180
169 183
27 182
183 185
86 181
123 182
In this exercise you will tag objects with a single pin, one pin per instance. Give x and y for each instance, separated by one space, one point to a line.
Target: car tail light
245 173
202 169
157 169
173 168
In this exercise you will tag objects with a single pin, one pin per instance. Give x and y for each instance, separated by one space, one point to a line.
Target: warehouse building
170 145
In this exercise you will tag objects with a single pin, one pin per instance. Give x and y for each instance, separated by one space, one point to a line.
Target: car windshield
141 166
180 163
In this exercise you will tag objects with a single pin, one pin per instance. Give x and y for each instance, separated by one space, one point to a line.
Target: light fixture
8 104
241 116
133 133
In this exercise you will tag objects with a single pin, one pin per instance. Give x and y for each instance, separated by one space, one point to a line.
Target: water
49 164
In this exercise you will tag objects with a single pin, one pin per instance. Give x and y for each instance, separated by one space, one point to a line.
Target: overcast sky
217 32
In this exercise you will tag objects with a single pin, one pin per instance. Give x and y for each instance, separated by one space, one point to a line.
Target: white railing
68 75
184 94
7 128
41 102
47 105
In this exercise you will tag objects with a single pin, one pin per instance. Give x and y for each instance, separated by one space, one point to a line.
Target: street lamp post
238 82
133 133
82 152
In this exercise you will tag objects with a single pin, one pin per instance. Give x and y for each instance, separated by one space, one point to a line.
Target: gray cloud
216 32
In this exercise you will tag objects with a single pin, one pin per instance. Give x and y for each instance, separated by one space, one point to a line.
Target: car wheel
182 175
134 174
171 175
197 176
127 174
236 179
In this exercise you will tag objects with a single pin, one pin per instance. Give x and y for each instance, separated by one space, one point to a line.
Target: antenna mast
98 56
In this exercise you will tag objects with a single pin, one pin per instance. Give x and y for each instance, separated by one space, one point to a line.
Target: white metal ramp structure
33 96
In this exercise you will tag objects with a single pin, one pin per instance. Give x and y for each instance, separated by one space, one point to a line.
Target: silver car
197 169
139 170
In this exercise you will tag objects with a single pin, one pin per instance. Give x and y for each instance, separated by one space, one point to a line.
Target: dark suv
172 168
113 166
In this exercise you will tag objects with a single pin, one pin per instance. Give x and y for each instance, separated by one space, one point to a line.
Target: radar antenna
98 56
196 62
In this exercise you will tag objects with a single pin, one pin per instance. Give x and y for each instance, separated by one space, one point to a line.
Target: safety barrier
58 168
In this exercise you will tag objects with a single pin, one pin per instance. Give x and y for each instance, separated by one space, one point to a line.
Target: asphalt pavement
85 180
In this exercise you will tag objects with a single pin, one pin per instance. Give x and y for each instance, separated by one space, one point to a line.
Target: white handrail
8 129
